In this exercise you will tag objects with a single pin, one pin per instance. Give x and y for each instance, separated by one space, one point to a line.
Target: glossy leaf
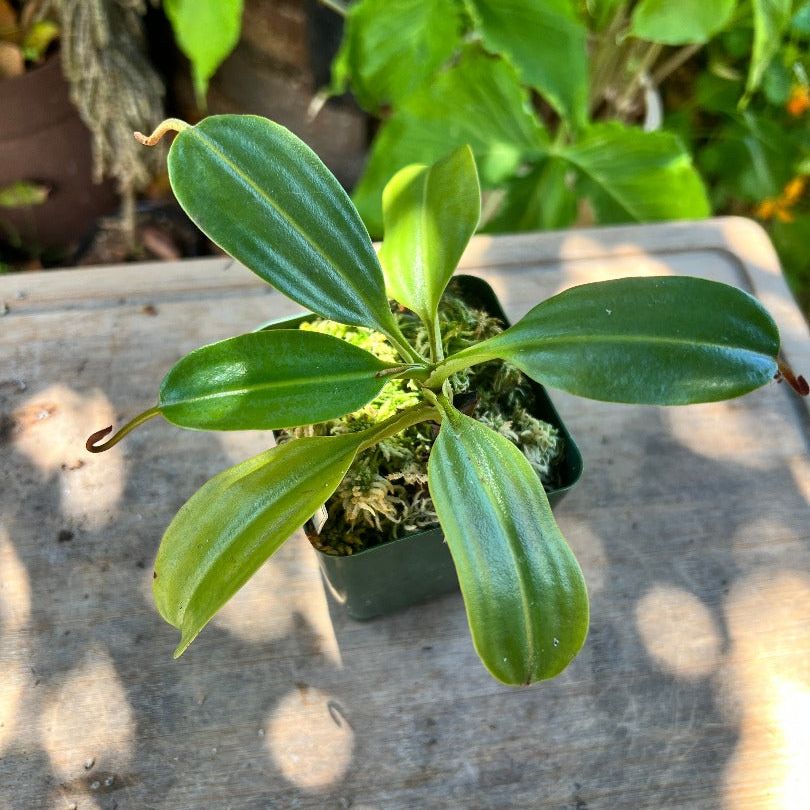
525 596
657 341
546 41
265 197
771 19
543 199
632 175
230 526
478 101
430 213
268 380
686 21
390 49
206 31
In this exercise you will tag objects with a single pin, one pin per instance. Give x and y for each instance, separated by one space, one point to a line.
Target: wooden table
693 690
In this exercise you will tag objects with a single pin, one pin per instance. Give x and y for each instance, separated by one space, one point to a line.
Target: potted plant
266 198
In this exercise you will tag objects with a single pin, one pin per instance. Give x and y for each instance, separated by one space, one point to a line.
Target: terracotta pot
43 140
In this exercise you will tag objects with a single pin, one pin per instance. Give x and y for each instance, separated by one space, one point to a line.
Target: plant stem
397 423
336 6
674 62
435 337
647 60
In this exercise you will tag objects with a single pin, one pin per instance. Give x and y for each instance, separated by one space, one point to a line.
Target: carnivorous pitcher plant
265 197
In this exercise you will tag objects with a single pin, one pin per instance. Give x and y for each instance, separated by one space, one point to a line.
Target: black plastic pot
418 567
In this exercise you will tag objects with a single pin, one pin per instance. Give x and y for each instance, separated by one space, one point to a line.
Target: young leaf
657 341
206 31
635 175
687 21
430 213
390 49
771 18
268 380
230 526
478 101
265 197
526 600
546 41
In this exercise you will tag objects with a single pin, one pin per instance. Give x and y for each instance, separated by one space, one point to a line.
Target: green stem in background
93 445
647 60
608 55
397 423
406 351
435 337
669 66
336 6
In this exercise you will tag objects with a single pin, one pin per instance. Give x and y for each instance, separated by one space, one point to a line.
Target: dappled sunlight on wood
15 609
678 631
766 684
50 429
310 739
87 718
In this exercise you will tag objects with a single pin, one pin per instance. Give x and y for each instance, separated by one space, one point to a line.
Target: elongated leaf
268 380
265 197
430 213
635 175
523 590
687 21
230 526
656 341
206 32
771 19
546 43
390 49
479 101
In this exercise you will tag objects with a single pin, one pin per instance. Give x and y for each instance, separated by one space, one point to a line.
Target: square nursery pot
418 567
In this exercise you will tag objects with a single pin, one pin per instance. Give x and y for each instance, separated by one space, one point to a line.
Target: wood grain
693 690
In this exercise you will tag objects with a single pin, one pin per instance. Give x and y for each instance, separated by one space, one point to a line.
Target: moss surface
385 494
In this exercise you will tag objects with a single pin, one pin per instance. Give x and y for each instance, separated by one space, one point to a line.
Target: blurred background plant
578 111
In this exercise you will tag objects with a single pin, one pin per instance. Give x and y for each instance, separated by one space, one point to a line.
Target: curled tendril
798 383
169 125
92 444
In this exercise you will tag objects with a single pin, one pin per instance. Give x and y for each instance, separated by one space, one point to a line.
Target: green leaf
430 213
540 200
206 31
686 21
800 24
525 596
265 197
230 526
38 38
268 380
390 49
632 175
546 41
478 101
771 19
23 193
657 341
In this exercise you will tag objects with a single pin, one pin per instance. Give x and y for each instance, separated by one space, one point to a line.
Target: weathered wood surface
693 690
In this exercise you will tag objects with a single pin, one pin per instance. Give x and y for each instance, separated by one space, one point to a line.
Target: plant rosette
265 198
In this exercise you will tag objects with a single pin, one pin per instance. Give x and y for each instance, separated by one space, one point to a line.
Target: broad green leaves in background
525 596
630 174
430 213
542 199
771 18
250 185
657 341
206 31
268 380
681 22
477 101
390 49
546 42
230 526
